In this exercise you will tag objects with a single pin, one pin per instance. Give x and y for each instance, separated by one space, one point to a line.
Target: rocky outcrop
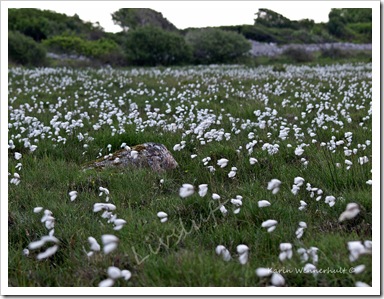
153 155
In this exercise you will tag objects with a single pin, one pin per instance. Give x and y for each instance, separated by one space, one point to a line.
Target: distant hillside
43 24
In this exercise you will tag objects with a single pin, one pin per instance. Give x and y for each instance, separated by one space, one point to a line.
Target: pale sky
184 14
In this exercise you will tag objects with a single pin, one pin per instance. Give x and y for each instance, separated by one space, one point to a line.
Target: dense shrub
104 50
42 24
150 46
24 50
334 53
298 55
213 45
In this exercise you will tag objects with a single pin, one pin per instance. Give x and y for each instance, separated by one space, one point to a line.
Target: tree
211 45
24 50
270 18
152 46
132 18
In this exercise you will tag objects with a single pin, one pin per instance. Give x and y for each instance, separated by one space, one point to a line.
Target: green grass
181 252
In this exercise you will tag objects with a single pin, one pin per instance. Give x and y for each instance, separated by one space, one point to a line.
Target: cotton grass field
273 186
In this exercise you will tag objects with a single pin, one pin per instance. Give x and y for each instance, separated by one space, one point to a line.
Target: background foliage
147 38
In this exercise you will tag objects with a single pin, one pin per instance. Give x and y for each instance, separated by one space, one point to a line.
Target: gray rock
153 155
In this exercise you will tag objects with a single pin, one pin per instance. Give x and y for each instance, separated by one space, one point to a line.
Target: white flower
103 190
232 174
295 189
114 272
303 254
263 203
223 210
25 252
350 212
93 244
162 214
302 224
37 209
134 154
186 190
299 181
18 156
310 268
361 284
330 200
126 274
193 156
286 251
277 280
48 252
108 248
73 195
107 282
203 188
107 239
299 151
359 269
177 147
215 196
253 161
263 272
274 185
242 250
221 250
269 223
222 162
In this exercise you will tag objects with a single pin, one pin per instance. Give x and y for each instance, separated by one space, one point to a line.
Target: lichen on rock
149 154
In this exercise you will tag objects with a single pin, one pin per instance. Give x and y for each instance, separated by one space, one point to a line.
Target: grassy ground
181 251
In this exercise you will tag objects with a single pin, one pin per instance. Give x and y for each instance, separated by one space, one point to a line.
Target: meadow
273 186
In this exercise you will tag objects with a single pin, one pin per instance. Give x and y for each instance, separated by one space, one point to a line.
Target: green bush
334 53
24 50
298 55
103 50
213 45
150 46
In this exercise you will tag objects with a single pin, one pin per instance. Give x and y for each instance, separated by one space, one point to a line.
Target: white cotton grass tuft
270 225
221 250
114 272
203 189
163 216
134 154
109 282
48 252
252 161
232 173
110 243
263 272
285 251
351 211
93 244
263 203
277 280
222 162
360 284
223 210
18 156
72 195
186 190
37 209
274 185
215 196
359 269
243 251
